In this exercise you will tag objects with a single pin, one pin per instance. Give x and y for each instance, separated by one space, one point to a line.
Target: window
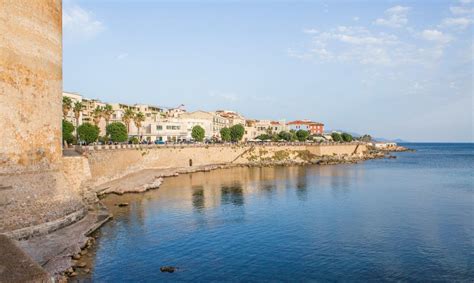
159 127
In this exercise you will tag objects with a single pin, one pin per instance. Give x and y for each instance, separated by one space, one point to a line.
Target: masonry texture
33 189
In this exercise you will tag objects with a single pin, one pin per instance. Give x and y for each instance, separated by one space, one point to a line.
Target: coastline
62 256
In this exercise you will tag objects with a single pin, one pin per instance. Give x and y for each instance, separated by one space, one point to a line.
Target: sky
392 69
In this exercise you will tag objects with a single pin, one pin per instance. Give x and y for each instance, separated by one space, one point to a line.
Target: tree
97 115
225 134
127 118
138 119
198 133
336 137
237 132
117 132
67 106
302 135
346 137
263 137
284 136
365 138
88 132
107 112
68 129
77 109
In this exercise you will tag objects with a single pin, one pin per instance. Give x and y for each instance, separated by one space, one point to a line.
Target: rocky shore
63 255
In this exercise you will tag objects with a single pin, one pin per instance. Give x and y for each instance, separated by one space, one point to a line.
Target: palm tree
138 119
128 117
107 112
77 109
97 114
67 105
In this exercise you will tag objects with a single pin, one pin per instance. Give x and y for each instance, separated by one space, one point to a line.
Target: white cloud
310 31
223 95
356 19
460 10
435 35
395 17
466 1
122 56
79 23
461 23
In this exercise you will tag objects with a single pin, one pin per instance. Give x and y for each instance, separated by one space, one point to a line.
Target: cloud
435 35
461 23
122 56
460 10
395 17
466 1
80 24
226 96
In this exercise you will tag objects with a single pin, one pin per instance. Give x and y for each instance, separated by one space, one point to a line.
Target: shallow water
408 219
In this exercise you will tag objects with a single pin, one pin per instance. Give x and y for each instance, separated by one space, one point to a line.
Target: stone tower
33 190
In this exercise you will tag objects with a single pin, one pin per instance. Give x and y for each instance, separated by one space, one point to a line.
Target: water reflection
232 195
198 198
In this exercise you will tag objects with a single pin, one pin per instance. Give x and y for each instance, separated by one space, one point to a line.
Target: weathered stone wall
33 189
106 165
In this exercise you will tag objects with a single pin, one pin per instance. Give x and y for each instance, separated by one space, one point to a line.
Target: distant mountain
390 140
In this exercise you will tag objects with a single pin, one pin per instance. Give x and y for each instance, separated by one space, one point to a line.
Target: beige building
255 128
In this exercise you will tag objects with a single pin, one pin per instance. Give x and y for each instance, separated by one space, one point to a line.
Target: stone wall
106 165
33 189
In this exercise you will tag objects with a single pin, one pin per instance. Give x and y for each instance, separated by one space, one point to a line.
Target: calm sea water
408 219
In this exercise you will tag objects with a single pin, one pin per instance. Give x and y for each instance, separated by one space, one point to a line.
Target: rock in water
169 269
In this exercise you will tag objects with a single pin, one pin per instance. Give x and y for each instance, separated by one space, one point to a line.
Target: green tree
97 115
88 132
68 129
67 105
225 134
346 137
107 113
302 135
336 137
237 132
127 118
138 119
198 133
117 132
263 137
285 136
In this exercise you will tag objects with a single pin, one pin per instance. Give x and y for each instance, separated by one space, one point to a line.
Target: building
255 128
314 128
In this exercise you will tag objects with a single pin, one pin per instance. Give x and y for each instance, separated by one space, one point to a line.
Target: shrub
225 134
117 132
198 133
285 136
302 135
88 133
68 128
336 137
346 137
263 137
134 140
237 132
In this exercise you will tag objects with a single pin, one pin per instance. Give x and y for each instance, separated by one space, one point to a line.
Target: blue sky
394 69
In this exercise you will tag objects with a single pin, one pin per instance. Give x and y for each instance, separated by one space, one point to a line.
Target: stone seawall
109 164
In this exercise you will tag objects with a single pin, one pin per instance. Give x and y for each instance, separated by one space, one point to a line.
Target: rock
76 256
87 270
169 269
122 204
69 270
83 252
81 264
73 274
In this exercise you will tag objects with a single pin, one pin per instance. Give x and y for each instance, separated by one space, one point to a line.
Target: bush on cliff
302 135
264 137
237 132
88 133
225 134
198 133
336 137
117 132
68 128
346 137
